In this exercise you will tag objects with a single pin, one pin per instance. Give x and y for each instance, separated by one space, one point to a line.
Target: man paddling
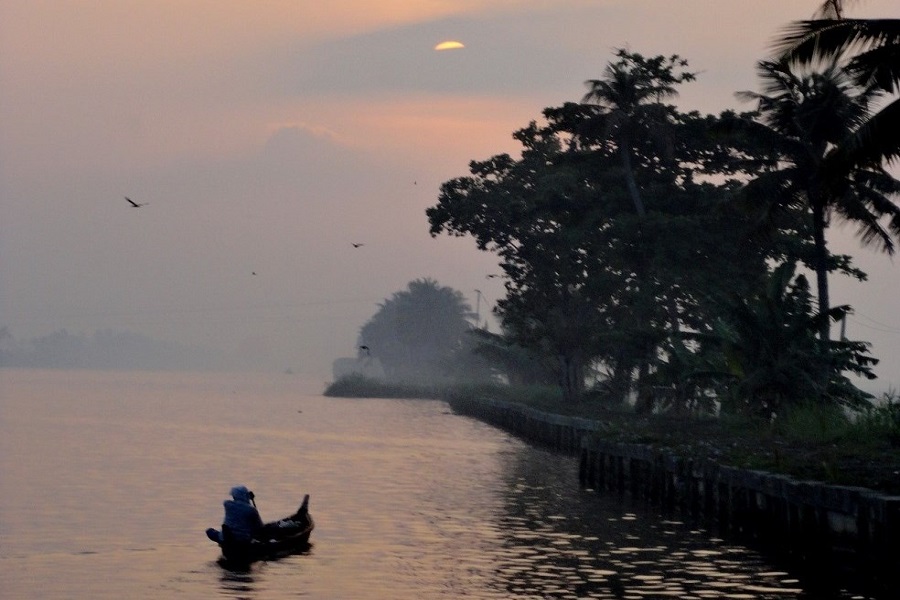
242 521
241 516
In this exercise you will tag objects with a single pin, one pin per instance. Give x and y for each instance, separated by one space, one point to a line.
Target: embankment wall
811 523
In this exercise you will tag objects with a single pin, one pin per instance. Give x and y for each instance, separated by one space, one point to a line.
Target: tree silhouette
871 50
773 355
584 283
417 331
806 118
629 97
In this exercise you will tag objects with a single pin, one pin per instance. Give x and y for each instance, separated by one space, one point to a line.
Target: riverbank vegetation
810 441
667 272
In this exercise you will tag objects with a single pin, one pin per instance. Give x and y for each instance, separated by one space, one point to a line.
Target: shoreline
851 533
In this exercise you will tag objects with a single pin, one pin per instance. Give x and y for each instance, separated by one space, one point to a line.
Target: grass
808 442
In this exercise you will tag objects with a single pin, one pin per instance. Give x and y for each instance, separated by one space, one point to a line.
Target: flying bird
135 204
355 245
366 348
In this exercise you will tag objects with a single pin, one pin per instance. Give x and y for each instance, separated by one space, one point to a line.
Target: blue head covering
241 494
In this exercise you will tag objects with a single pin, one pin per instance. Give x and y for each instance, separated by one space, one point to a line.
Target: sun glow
449 45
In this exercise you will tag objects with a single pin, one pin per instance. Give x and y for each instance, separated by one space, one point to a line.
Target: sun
449 45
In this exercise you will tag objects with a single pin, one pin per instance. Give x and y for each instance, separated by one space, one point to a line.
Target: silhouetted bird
366 348
134 204
492 275
357 245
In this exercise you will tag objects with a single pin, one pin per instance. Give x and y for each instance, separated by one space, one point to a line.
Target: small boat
276 540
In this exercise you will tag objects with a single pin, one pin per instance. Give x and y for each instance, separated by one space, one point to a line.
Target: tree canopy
416 333
624 236
807 118
588 277
869 50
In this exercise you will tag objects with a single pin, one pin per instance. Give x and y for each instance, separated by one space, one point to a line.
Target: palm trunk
625 154
620 382
571 378
821 266
644 403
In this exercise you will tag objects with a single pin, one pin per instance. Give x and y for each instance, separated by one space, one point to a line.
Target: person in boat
242 520
243 525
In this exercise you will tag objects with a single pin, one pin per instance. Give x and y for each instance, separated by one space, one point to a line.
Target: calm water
108 481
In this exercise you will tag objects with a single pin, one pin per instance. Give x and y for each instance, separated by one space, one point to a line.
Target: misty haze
527 298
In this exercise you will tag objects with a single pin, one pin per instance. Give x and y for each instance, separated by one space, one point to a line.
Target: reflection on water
557 543
108 482
237 581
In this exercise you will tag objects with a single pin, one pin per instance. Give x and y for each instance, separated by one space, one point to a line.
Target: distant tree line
105 349
428 334
665 251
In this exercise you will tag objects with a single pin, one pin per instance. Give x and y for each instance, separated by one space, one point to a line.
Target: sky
267 137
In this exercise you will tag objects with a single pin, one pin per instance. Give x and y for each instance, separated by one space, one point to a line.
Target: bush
882 419
360 386
814 423
536 396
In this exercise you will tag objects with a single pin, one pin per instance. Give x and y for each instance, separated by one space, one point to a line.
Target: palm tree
809 118
630 98
871 49
631 118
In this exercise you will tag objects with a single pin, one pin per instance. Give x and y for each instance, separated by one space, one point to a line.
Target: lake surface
109 479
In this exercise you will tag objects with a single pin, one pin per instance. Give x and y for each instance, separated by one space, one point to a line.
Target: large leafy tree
587 278
417 332
627 115
536 213
807 118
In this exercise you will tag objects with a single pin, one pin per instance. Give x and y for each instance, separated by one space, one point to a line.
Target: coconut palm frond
812 40
878 67
875 141
868 224
872 45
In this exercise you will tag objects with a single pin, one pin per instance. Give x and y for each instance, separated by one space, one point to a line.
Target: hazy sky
267 136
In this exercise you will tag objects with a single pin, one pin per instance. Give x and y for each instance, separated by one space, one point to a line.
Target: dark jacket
241 518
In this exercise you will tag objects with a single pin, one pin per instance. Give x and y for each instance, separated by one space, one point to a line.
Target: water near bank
108 480
840 536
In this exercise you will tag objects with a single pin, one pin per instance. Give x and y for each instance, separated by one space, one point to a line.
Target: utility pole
477 308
